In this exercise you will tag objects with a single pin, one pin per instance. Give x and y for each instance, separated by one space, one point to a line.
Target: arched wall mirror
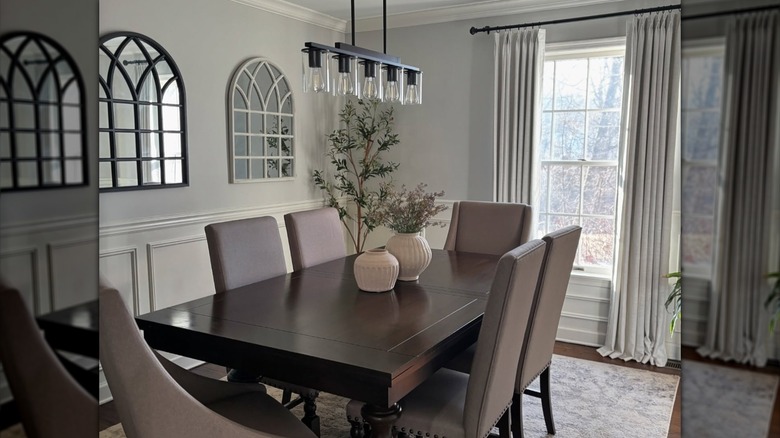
142 129
260 113
42 115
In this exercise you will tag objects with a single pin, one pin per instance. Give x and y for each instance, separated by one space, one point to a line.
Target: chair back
51 403
488 227
150 403
315 236
493 372
245 251
548 304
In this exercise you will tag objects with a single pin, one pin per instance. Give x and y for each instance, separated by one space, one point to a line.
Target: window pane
547 88
700 134
605 85
696 236
544 188
600 190
565 189
242 169
603 135
127 173
596 242
105 175
568 135
702 82
173 172
699 189
240 144
570 81
545 137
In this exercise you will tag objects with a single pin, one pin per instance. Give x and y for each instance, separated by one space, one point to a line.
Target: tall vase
376 270
413 254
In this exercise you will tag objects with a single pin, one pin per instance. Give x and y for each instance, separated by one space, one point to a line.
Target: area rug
728 402
590 399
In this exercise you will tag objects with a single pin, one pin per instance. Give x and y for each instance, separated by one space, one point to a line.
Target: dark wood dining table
315 328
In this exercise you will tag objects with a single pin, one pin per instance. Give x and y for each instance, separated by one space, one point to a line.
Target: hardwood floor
109 416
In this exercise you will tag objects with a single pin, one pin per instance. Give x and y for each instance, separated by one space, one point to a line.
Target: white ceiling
373 8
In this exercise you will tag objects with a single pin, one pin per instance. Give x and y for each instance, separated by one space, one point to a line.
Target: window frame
577 50
106 85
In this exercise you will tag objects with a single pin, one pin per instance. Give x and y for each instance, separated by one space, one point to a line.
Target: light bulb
393 92
318 83
370 90
344 84
412 95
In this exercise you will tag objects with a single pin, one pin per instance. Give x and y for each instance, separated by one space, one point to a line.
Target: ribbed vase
413 254
376 270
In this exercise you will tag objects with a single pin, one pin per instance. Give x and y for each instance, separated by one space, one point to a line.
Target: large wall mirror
42 115
143 142
260 113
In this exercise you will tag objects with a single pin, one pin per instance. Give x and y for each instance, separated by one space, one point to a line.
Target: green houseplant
355 152
674 300
774 300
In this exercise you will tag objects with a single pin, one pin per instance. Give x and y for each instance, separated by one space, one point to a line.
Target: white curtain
637 323
519 59
737 324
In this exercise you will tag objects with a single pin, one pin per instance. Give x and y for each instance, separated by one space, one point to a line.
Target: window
702 83
41 115
261 109
579 148
142 131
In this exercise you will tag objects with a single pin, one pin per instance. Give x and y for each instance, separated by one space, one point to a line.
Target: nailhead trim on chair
537 375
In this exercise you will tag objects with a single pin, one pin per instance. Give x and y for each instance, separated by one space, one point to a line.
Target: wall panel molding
132 252
32 254
150 249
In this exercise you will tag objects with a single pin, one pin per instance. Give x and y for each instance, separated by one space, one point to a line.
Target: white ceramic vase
376 270
413 254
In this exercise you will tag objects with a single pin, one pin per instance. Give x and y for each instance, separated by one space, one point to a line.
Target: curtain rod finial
473 30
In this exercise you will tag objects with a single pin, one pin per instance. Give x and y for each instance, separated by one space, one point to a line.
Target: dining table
315 328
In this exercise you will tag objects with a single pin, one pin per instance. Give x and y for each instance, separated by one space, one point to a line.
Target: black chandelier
396 82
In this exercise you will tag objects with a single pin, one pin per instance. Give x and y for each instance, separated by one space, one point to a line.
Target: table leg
381 419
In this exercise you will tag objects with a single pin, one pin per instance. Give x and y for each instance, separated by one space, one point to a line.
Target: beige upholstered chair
152 404
243 252
50 402
315 236
457 405
488 227
542 327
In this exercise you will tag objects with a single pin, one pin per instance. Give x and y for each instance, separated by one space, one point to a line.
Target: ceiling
373 8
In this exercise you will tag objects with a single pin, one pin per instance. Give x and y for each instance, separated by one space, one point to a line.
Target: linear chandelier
360 72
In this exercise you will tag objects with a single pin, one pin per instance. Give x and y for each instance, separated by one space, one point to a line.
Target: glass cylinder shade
392 82
345 75
370 80
413 87
316 75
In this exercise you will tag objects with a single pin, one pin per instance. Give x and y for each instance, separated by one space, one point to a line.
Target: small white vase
413 254
376 270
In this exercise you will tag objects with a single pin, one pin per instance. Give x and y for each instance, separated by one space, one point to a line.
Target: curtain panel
519 60
737 324
637 324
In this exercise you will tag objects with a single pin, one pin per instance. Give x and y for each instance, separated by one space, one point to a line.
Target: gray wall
208 39
447 141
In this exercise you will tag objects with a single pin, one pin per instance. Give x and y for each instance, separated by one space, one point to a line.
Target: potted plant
674 299
774 297
355 152
408 212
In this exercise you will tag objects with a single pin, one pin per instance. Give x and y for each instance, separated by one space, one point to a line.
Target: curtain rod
730 12
488 29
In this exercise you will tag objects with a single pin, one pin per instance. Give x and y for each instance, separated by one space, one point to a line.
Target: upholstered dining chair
246 251
152 403
50 402
458 405
539 339
488 227
315 236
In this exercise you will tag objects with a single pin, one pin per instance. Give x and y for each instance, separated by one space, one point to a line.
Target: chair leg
517 415
310 418
544 389
503 426
286 396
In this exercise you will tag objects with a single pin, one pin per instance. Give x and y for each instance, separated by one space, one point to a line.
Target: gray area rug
590 399
726 402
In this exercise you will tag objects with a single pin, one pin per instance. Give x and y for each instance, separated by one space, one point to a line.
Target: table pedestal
381 419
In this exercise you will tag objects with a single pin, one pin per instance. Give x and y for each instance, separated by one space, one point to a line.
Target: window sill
591 279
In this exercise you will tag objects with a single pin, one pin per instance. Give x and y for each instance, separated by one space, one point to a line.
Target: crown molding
470 12
289 10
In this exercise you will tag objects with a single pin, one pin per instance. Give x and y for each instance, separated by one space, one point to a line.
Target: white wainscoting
51 263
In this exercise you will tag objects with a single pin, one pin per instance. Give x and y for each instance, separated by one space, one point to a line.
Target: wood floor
109 416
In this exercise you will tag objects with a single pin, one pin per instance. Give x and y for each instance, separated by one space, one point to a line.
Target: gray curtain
737 324
519 59
637 323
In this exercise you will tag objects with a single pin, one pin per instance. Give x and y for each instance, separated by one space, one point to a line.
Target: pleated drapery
637 322
519 60
737 325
